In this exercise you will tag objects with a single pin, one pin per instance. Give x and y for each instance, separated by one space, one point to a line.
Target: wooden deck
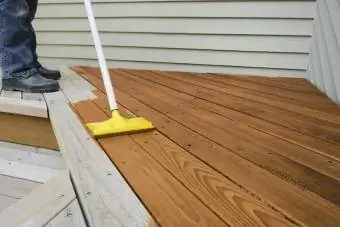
228 150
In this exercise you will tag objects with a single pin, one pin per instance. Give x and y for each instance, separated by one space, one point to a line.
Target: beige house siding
324 63
270 38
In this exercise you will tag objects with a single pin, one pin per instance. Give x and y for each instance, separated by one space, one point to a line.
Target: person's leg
17 61
51 74
33 5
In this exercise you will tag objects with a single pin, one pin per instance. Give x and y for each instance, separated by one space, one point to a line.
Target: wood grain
169 202
32 131
289 84
262 139
270 97
221 195
70 216
253 178
23 107
309 97
106 198
31 155
236 138
315 127
41 205
15 187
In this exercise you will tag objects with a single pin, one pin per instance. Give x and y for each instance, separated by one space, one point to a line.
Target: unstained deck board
213 139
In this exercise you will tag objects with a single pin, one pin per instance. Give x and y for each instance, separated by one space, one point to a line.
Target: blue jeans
17 38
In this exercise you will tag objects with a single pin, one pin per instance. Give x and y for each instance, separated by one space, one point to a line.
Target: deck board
6 201
71 216
42 204
240 151
218 193
15 187
313 126
177 209
31 155
261 149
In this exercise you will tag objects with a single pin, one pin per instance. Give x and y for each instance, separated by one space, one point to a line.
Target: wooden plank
277 192
80 83
262 150
308 101
294 95
32 130
311 143
70 216
312 112
42 205
106 198
25 171
23 107
194 173
33 96
11 94
178 206
15 187
30 155
74 87
309 125
6 201
301 139
275 83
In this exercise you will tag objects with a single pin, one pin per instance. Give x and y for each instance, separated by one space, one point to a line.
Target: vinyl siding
324 61
270 38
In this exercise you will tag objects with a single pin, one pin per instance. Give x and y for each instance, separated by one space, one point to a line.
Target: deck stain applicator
117 124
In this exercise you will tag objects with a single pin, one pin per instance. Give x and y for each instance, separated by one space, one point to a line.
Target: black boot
34 83
49 74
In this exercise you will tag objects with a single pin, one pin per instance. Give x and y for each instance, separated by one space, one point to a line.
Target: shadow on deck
227 150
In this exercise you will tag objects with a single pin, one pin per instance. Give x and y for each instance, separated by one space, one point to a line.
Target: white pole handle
100 54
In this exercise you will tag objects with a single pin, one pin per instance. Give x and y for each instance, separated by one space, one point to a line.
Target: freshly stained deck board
270 98
178 206
303 140
312 126
278 193
32 131
270 90
218 193
289 84
242 132
235 138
